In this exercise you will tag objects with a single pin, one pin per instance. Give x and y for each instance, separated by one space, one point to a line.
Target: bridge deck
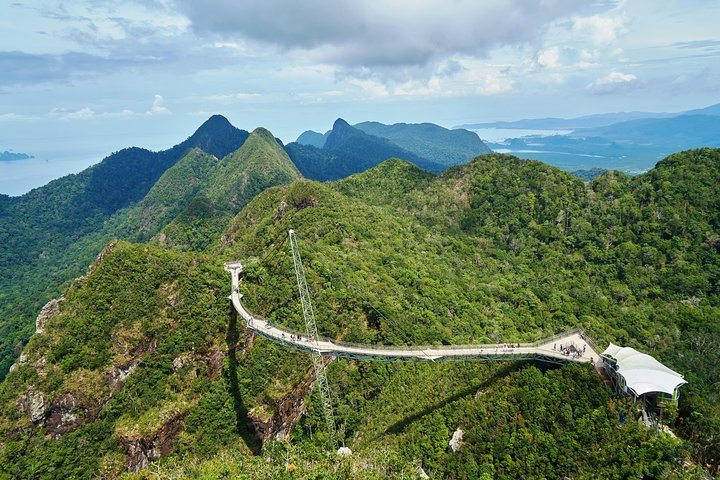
547 349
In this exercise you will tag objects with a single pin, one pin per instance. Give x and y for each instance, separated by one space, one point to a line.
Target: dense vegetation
499 249
588 175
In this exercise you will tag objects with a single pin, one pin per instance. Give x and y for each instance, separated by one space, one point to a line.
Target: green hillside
50 235
202 187
144 361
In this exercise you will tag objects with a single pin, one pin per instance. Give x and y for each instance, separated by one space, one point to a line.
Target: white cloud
231 97
157 107
587 55
613 82
549 58
13 117
494 84
373 87
84 113
601 29
585 65
413 88
356 34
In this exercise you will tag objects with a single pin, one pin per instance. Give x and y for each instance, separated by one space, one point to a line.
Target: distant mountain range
586 121
347 149
631 142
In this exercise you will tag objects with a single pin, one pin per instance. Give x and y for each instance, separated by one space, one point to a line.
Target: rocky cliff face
48 311
288 410
141 450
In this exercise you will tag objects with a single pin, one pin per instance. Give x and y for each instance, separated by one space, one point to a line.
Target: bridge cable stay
274 248
318 363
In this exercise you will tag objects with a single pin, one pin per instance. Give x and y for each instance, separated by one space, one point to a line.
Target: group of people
298 338
570 350
507 347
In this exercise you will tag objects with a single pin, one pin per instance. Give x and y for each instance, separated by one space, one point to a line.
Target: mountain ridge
50 234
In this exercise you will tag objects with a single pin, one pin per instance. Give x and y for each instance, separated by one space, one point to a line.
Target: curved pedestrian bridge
570 346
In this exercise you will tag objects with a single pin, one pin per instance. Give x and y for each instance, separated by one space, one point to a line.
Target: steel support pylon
318 363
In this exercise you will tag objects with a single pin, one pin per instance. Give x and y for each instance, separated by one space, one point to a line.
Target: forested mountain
349 150
427 140
344 150
50 235
224 185
144 361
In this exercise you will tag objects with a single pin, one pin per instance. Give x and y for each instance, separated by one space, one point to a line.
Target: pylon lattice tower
317 359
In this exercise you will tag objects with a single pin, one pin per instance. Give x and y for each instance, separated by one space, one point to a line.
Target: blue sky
82 79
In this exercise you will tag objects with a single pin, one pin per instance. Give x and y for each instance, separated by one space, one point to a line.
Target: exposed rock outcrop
456 441
78 402
62 417
33 403
288 410
140 451
118 374
215 356
421 473
48 311
181 361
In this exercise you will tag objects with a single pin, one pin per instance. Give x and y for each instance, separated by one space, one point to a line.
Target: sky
82 79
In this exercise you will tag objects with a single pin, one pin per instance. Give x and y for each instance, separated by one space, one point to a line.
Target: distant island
7 156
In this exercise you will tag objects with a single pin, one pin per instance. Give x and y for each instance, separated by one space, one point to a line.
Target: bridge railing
366 346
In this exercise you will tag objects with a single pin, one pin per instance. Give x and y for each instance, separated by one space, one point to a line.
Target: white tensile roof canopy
643 373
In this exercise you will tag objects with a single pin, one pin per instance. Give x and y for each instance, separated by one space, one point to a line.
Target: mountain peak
217 136
216 121
340 124
264 133
340 132
310 137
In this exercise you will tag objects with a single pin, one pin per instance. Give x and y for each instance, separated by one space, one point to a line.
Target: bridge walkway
547 350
